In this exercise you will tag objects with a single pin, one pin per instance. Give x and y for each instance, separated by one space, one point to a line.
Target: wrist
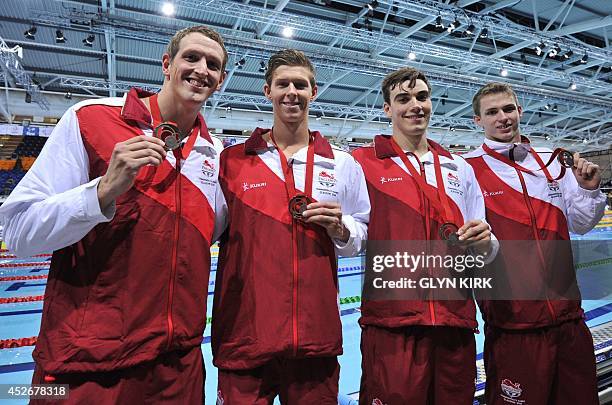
105 199
344 234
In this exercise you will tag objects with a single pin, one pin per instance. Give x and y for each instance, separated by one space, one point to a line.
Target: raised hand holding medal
168 131
588 174
302 206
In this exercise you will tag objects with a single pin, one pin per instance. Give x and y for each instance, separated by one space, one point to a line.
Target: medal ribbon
439 201
288 170
543 166
181 152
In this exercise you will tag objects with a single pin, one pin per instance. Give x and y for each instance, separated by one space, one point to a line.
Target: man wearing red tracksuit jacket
536 351
276 326
130 225
417 352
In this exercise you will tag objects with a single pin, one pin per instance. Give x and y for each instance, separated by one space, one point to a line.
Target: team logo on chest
325 184
208 168
554 189
453 180
454 183
327 179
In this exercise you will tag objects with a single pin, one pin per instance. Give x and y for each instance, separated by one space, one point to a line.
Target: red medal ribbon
439 201
288 170
538 159
183 152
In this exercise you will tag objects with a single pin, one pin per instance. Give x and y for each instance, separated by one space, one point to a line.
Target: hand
474 230
329 216
478 235
587 174
126 160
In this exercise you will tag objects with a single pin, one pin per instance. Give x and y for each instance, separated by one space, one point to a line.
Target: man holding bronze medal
130 219
291 204
418 351
537 348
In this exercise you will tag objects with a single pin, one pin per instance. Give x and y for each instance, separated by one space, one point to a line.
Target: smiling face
500 116
291 92
409 108
196 71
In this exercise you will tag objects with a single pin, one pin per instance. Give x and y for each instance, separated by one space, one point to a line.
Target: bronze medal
566 159
169 133
298 204
448 232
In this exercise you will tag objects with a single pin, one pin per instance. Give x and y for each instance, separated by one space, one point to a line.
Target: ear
266 90
520 111
166 65
315 91
387 110
477 120
223 76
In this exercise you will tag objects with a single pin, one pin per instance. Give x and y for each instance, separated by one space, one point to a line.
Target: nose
415 105
291 90
201 68
501 115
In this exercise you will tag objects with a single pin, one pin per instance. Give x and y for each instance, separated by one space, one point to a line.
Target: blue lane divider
25 312
21 284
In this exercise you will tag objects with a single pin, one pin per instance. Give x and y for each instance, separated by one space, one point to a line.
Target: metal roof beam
498 6
12 67
280 6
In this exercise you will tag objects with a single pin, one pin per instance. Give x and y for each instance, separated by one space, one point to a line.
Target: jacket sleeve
55 204
220 205
476 208
585 208
355 209
220 213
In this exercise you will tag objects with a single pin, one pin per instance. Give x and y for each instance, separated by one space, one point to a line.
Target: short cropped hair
289 57
491 88
398 77
175 41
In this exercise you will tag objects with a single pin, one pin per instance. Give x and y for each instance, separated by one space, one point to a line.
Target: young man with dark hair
418 352
537 351
291 203
129 218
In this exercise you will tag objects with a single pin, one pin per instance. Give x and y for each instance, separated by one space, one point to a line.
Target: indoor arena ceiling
556 53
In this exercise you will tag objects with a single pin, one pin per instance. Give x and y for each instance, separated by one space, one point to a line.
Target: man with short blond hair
492 88
538 349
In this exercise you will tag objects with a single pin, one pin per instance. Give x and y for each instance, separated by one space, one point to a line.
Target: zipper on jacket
294 319
173 264
432 310
536 234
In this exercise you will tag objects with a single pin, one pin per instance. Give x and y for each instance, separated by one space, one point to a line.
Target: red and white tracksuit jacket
400 212
276 290
125 285
524 207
